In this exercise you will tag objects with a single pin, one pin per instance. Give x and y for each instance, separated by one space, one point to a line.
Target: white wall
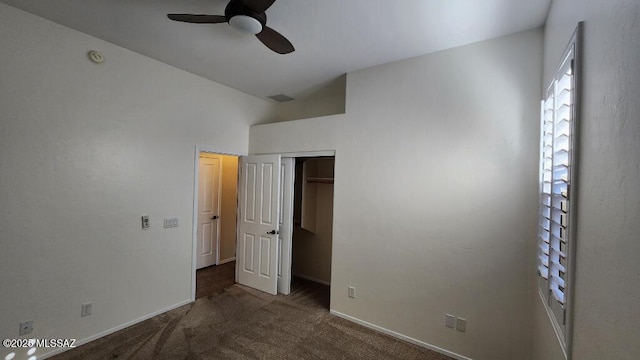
85 149
607 291
435 193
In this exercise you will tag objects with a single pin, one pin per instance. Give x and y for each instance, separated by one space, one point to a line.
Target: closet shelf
319 180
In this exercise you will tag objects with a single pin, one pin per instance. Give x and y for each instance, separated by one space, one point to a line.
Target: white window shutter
557 171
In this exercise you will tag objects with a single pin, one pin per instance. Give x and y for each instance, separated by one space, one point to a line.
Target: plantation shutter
546 167
562 154
557 166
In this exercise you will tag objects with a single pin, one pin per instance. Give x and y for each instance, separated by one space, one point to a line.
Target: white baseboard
399 336
226 260
312 279
112 330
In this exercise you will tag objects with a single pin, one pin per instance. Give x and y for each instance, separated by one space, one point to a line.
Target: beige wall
85 150
228 207
435 194
607 291
304 109
329 99
94 146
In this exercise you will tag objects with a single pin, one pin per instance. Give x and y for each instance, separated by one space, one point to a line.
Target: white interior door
259 195
208 210
287 176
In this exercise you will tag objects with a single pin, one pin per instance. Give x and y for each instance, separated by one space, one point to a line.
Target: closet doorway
266 239
313 219
299 244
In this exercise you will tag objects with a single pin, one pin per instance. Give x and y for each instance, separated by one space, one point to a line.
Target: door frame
286 197
194 229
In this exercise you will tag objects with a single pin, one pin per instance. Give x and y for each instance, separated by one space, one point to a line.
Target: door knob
272 232
214 217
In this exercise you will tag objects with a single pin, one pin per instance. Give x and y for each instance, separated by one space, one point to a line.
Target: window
556 240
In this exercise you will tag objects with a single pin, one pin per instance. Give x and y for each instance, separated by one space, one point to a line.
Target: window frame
564 328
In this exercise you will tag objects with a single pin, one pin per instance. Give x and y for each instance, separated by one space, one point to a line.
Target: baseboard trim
399 336
227 260
328 283
114 329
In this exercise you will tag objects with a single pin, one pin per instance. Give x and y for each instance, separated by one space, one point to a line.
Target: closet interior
313 219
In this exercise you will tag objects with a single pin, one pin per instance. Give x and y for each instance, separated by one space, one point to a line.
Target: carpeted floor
242 323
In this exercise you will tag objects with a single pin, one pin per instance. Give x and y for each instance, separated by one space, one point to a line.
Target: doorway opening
313 225
215 222
279 224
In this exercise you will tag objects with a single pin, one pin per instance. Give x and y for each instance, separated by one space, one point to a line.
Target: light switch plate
351 292
170 222
450 321
461 324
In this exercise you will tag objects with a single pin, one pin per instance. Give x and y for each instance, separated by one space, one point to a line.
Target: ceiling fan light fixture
246 24
246 16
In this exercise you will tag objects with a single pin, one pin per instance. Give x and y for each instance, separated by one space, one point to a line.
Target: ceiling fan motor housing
243 19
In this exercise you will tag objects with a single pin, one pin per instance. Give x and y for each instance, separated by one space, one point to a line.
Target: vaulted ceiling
331 37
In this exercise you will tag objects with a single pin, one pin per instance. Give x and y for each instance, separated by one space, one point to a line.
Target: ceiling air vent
280 98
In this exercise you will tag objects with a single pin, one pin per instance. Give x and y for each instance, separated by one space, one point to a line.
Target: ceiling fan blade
275 41
198 19
259 6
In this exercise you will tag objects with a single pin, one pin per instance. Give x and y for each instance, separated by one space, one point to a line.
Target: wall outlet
351 292
450 321
26 328
461 324
145 222
86 310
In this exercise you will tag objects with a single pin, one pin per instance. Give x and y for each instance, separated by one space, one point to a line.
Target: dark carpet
212 279
242 323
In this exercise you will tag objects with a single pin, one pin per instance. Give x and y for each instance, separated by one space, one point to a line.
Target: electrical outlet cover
26 328
87 309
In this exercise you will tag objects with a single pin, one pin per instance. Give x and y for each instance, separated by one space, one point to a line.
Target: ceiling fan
246 16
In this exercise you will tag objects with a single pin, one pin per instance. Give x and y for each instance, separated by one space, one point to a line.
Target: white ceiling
331 37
